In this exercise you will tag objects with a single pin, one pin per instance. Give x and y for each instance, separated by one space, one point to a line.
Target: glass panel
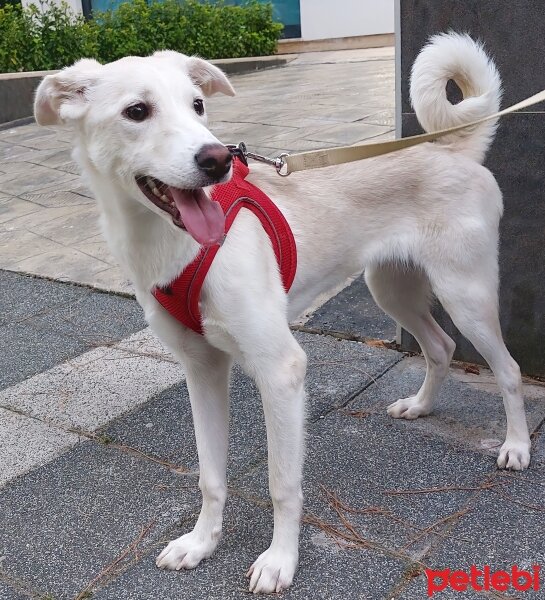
287 12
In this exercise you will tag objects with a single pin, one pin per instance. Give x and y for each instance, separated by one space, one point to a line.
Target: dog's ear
63 96
209 78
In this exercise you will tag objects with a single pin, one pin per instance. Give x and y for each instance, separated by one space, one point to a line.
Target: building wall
322 19
75 5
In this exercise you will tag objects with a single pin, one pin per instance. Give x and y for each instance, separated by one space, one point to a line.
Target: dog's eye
198 105
137 112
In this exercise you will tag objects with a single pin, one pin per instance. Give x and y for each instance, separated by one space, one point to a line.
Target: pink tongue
203 218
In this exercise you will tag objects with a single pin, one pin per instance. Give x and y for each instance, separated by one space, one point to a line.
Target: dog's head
141 122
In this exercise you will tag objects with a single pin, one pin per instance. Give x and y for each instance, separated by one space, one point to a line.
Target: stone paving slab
96 247
65 264
9 593
43 323
22 297
505 526
325 571
12 208
146 343
73 225
91 389
56 197
353 311
36 177
17 245
27 443
64 523
469 411
361 459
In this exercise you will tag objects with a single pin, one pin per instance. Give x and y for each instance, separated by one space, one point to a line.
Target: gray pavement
98 464
105 461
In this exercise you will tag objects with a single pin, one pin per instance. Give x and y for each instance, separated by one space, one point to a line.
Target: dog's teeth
164 198
153 187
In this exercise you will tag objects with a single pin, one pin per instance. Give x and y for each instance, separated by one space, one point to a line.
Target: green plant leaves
49 36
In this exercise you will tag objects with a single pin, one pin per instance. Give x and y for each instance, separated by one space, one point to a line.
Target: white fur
421 222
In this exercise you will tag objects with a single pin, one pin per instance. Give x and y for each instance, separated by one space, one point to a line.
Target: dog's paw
514 455
408 408
272 572
186 552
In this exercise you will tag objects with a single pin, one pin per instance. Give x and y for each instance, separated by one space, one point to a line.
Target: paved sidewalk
98 464
48 220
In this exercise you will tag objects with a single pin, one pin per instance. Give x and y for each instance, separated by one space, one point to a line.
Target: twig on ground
384 512
178 469
109 570
341 538
453 488
431 527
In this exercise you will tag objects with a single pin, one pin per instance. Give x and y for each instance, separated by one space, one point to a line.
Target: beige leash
316 159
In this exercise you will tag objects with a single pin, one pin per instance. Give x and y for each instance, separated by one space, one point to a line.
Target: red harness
181 297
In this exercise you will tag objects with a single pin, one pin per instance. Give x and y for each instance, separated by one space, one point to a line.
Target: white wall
322 19
75 5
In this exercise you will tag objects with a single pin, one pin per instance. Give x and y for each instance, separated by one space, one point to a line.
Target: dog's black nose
214 160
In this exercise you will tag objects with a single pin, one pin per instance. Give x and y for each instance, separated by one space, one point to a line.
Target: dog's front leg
207 375
280 379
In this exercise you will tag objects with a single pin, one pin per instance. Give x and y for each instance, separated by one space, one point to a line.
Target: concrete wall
17 94
514 37
322 19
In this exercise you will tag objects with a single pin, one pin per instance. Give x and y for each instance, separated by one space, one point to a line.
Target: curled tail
458 57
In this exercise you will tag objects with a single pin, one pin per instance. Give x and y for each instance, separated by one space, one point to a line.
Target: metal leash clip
244 154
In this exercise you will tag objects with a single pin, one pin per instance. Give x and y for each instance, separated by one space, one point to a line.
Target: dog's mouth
191 209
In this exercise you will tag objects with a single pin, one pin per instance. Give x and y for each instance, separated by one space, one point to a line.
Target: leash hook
242 152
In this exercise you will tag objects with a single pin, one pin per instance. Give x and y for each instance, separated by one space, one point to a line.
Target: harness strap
181 297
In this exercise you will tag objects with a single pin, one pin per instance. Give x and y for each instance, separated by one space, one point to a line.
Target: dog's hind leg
207 374
404 293
279 370
471 299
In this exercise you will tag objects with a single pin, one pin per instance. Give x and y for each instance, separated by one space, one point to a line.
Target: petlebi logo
483 579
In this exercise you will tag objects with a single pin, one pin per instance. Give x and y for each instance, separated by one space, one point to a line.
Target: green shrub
51 36
32 39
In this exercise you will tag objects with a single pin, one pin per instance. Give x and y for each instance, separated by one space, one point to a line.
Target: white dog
422 222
